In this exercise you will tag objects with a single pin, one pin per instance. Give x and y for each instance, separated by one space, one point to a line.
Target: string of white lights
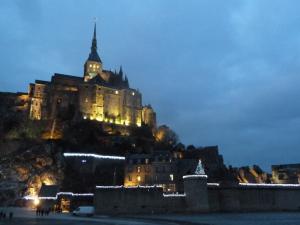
195 176
213 184
128 187
268 185
94 156
59 193
173 195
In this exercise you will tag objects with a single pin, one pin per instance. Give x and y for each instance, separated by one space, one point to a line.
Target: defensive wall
198 197
254 197
151 199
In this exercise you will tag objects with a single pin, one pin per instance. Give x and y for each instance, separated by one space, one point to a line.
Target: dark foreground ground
27 217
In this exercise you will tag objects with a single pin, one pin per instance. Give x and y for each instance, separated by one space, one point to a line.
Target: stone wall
150 199
128 200
254 198
198 198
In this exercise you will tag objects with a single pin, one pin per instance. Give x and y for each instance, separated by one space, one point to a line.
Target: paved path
27 216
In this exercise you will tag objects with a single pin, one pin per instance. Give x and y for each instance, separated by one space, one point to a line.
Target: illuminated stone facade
286 174
159 168
17 102
101 95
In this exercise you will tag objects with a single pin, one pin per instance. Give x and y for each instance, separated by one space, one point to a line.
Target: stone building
161 168
16 102
286 174
158 168
100 94
211 159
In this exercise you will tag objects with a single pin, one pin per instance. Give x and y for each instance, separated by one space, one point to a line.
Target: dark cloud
217 73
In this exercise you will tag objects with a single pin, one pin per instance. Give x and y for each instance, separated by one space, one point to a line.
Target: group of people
42 212
3 215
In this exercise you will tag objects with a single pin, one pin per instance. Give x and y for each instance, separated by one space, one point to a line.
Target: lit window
83 161
90 65
133 93
139 178
117 92
86 100
146 161
94 66
171 177
138 169
98 66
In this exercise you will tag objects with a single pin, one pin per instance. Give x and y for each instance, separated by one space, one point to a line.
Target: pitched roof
48 190
64 76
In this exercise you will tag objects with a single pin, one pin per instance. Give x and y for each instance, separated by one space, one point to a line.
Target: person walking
11 214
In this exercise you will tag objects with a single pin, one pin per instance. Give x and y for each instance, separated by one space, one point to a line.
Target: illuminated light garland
195 176
28 197
59 193
268 185
94 156
127 187
174 195
213 184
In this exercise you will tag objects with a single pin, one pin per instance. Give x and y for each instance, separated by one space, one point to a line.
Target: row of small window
147 178
94 66
147 161
147 169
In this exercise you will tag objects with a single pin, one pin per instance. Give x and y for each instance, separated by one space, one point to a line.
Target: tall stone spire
93 56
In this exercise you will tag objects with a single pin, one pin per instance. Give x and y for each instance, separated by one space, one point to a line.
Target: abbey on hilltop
100 94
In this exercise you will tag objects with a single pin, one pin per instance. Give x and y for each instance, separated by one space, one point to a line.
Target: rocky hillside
24 166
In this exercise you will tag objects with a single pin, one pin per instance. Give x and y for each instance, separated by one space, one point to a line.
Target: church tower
93 65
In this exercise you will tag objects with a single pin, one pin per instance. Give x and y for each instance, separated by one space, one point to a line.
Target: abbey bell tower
93 65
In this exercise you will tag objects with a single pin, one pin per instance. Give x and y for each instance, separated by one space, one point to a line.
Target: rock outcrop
25 167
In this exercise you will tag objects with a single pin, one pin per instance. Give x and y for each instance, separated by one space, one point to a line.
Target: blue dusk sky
223 73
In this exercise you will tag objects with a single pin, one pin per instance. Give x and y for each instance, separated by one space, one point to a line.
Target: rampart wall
198 198
254 198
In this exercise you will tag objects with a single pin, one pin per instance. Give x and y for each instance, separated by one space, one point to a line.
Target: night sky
217 72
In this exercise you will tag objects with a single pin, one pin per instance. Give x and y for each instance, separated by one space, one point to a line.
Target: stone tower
195 188
93 65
